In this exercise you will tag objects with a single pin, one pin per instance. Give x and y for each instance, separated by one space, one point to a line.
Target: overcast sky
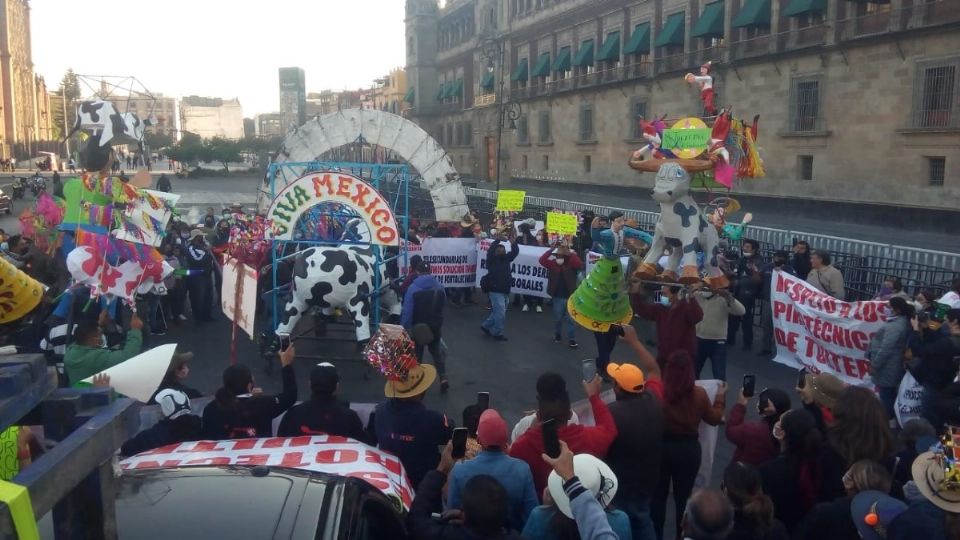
217 48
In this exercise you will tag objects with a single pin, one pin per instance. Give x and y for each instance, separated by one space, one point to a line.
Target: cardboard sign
453 261
528 276
238 295
319 187
320 453
907 406
562 224
510 200
140 376
687 138
819 332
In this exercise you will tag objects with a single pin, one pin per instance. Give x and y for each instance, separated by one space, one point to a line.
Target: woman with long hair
833 519
239 410
793 479
753 509
685 405
754 440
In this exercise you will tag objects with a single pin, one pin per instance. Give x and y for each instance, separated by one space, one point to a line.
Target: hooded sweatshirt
423 303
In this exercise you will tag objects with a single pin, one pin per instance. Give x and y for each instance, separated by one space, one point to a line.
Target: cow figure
102 118
683 228
337 277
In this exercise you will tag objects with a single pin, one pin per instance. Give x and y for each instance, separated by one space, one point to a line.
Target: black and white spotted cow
103 118
683 228
328 278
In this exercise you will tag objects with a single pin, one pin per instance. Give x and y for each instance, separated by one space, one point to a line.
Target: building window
805 165
544 127
586 123
937 168
805 104
410 45
467 134
458 135
546 163
523 162
522 133
450 139
935 94
586 164
638 111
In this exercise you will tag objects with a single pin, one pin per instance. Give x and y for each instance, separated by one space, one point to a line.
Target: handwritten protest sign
685 138
561 223
510 200
821 333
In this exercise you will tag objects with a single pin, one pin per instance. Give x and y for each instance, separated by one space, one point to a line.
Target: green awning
710 23
447 87
802 7
520 72
487 82
672 31
440 91
610 52
585 54
640 40
563 59
457 88
754 13
542 69
409 96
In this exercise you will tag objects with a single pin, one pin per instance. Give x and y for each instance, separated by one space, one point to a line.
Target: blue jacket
592 521
513 474
423 308
413 433
609 244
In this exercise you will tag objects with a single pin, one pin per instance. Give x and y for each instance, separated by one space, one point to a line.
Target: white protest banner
140 376
528 276
907 406
453 261
707 433
593 257
319 453
819 332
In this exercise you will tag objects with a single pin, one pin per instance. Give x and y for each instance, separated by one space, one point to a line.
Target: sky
217 48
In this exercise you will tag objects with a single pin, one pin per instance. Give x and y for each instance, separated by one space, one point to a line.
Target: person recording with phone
754 440
676 320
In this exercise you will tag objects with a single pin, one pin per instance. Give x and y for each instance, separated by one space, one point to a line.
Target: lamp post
491 50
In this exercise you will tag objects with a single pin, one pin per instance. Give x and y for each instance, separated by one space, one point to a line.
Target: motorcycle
19 187
38 185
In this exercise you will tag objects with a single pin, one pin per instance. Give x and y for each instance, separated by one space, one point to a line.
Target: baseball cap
324 378
873 512
173 403
628 376
492 429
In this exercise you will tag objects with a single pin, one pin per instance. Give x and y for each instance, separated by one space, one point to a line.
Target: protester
754 441
916 433
513 474
819 395
240 410
87 356
934 364
403 426
793 480
891 288
801 259
753 510
832 519
562 266
177 373
708 516
929 494
886 350
685 406
824 277
879 516
178 425
422 316
556 521
163 184
635 455
780 258
323 413
951 298
553 403
172 302
676 322
527 238
497 285
746 287
199 285
413 271
925 302
483 514
719 309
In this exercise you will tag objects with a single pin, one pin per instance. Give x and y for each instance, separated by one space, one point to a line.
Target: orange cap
628 376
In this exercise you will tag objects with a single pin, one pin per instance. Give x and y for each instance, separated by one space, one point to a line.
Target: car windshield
167 507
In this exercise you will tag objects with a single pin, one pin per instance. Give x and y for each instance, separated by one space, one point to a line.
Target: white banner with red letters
320 453
819 332
529 277
453 261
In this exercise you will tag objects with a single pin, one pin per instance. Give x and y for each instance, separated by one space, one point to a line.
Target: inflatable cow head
672 183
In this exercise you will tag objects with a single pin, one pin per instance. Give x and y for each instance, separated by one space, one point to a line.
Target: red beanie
492 429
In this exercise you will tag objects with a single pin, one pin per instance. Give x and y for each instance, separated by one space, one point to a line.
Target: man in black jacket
179 425
323 413
936 358
746 287
499 279
199 285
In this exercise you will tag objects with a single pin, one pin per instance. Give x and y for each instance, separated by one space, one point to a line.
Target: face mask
748 255
778 433
560 260
664 300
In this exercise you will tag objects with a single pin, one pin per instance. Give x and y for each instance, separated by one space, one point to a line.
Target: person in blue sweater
422 311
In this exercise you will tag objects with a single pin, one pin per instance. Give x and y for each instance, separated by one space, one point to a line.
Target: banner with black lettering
593 257
528 276
453 261
821 333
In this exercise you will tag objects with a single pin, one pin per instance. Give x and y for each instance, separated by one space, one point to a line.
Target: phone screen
284 341
749 385
459 443
802 378
589 368
483 401
551 441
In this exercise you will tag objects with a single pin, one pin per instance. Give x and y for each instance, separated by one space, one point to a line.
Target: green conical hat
601 300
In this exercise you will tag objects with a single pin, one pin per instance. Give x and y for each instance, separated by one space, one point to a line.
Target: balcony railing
688 60
921 15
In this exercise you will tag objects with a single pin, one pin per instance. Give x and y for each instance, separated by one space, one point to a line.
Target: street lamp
491 50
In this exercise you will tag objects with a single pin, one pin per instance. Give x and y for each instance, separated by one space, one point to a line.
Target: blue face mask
664 300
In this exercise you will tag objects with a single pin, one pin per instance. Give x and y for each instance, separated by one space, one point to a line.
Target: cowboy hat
929 477
595 475
418 380
197 233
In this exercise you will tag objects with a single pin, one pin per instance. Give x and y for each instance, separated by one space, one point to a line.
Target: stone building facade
27 120
858 101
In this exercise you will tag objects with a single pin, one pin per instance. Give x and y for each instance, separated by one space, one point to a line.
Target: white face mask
560 260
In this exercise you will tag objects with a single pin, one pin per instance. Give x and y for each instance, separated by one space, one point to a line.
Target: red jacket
754 443
593 440
676 325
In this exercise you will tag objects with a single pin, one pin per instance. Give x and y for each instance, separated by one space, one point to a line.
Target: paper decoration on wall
145 220
238 297
140 376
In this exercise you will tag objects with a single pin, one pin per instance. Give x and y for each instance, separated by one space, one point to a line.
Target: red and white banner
819 332
453 261
320 453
